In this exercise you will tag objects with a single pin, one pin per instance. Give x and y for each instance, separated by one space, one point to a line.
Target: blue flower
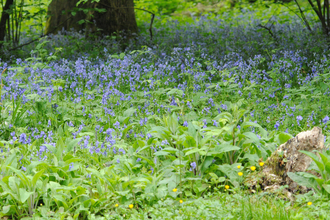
277 124
193 165
71 166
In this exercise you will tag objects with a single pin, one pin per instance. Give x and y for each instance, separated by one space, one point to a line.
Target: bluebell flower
193 165
325 119
71 166
277 124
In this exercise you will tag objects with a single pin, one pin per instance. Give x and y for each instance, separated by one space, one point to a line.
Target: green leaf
72 144
9 210
36 177
24 195
252 136
223 148
192 130
129 112
189 142
326 187
284 137
327 167
303 181
21 175
324 158
207 162
197 150
315 159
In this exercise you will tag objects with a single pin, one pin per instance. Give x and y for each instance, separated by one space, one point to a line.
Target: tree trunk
4 20
119 16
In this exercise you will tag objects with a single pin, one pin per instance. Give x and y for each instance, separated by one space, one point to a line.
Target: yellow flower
175 189
116 205
261 164
226 187
130 206
253 168
240 173
238 167
181 201
309 203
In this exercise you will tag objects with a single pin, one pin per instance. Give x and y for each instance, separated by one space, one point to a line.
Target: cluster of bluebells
98 92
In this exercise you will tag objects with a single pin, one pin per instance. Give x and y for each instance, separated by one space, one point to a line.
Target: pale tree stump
287 158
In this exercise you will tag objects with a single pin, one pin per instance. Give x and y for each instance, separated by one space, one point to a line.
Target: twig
268 29
303 17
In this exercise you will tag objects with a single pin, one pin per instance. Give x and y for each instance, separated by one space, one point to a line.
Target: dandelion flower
116 205
226 187
238 167
309 203
175 189
261 164
240 173
131 206
253 168
181 201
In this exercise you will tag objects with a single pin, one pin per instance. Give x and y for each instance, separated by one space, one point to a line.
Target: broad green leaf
21 175
326 187
323 158
315 159
129 112
189 142
36 177
24 195
73 143
284 137
252 136
222 148
327 167
196 150
303 181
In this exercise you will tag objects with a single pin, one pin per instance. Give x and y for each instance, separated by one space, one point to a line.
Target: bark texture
287 158
4 19
119 16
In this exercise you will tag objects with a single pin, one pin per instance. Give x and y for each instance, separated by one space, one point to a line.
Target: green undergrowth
230 205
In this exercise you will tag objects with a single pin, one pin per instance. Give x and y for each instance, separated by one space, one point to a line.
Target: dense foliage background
110 128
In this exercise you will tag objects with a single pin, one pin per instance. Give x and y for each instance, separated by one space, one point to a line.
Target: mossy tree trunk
118 16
